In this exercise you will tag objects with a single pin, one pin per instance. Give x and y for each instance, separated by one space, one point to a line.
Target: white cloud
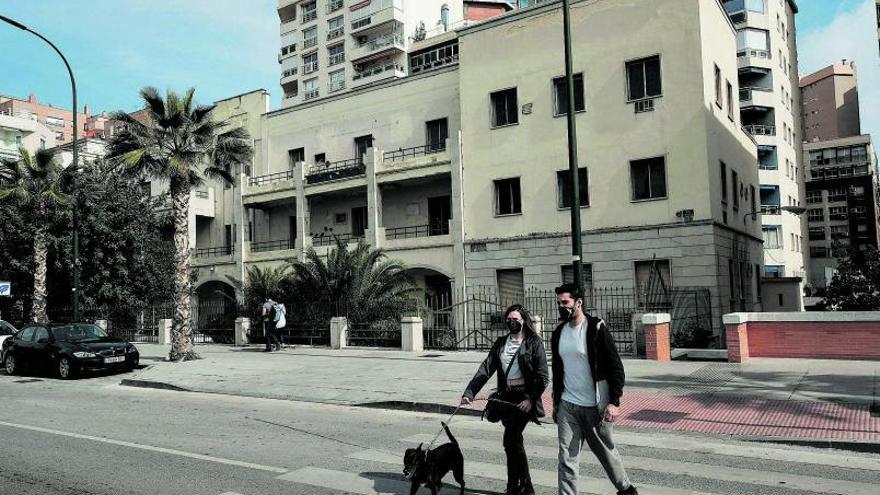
853 36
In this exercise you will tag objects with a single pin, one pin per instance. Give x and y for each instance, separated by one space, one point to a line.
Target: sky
228 47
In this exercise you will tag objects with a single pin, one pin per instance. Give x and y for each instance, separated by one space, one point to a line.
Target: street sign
5 288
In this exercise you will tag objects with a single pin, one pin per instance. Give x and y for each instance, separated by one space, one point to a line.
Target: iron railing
270 178
336 170
416 231
325 239
262 246
760 129
207 252
404 153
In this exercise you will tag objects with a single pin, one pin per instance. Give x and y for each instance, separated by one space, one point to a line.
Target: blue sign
5 288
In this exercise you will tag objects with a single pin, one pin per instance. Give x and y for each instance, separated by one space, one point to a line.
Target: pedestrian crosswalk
659 464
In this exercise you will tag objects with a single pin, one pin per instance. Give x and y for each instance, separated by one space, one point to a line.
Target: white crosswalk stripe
489 476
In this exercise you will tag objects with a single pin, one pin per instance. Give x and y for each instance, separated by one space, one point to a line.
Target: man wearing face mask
521 363
588 382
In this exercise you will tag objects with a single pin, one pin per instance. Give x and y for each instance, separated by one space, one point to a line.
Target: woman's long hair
528 327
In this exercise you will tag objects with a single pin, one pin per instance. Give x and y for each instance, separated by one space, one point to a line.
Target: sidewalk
790 398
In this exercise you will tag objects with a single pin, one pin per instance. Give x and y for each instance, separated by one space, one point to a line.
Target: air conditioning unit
644 106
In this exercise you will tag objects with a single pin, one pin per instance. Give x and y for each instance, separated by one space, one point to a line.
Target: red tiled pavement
741 416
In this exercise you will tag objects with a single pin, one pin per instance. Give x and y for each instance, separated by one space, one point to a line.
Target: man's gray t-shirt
580 389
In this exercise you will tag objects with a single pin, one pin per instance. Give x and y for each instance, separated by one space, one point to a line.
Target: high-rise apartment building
830 103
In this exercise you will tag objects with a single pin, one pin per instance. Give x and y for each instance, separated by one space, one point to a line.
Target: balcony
335 33
336 59
288 76
414 163
332 171
378 72
311 94
213 252
754 57
277 245
310 43
433 59
377 13
393 233
325 239
756 95
288 26
760 129
309 16
310 67
334 5
269 187
201 202
377 47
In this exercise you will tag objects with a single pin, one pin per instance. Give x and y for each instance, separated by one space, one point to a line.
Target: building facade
458 169
60 120
332 46
22 131
830 103
770 110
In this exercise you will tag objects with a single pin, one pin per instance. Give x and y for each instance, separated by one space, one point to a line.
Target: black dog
428 467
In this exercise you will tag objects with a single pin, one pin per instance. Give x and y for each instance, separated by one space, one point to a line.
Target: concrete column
339 332
375 234
102 324
242 326
456 230
657 345
165 331
241 222
303 239
736 328
411 336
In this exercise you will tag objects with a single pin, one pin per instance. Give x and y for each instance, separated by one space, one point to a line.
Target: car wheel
66 368
10 364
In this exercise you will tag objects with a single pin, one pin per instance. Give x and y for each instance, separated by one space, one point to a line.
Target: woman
521 363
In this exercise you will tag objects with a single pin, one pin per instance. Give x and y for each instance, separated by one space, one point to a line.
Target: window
568 276
320 158
296 155
734 184
310 37
730 113
752 199
336 54
563 188
648 178
815 215
337 80
436 133
774 271
718 86
814 197
27 334
723 183
837 194
753 39
560 89
41 334
837 213
310 64
55 121
643 79
507 197
309 12
510 286
652 277
335 28
817 233
310 87
818 252
361 145
772 236
504 107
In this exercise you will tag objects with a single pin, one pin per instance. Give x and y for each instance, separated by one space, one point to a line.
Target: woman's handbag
496 407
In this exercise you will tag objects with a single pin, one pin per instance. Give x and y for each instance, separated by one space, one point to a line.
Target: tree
360 283
261 284
856 283
183 146
35 183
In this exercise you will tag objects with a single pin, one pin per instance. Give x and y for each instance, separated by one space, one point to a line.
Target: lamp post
574 196
75 163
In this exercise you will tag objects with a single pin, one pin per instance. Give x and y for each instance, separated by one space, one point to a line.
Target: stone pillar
736 328
657 336
165 331
411 336
242 326
339 332
303 239
375 233
102 324
456 229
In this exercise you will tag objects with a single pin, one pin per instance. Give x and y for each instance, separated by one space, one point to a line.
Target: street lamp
776 210
75 163
576 249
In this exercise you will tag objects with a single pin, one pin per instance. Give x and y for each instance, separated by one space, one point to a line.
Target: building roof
834 143
831 70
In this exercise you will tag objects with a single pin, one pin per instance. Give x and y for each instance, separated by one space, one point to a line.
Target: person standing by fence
274 318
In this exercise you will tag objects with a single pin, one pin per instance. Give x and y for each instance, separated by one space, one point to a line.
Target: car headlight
84 354
131 349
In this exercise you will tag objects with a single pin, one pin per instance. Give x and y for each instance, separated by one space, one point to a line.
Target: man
585 359
271 314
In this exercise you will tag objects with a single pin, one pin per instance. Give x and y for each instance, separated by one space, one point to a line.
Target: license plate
117 359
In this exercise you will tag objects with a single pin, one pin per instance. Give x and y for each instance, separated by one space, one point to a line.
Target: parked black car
66 349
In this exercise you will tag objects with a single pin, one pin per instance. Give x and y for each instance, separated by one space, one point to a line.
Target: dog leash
448 420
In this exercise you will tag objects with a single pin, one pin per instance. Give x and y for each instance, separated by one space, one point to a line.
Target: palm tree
261 284
361 283
35 183
183 146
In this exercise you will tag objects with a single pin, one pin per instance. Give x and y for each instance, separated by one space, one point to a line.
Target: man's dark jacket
604 360
532 359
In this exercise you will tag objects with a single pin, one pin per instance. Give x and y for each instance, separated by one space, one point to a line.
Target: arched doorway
214 310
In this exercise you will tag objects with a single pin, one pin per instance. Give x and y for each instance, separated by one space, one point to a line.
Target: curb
127 382
851 445
427 407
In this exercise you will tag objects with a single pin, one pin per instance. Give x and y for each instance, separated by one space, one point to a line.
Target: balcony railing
372 8
309 43
771 210
310 16
270 178
760 130
311 94
391 39
417 231
372 71
404 153
336 58
336 170
334 5
745 94
310 67
289 72
325 239
754 52
263 246
208 252
335 33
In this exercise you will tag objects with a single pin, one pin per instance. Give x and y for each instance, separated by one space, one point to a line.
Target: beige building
22 130
830 103
770 110
332 46
458 168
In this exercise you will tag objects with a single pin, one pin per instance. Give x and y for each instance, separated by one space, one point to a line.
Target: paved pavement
781 398
84 437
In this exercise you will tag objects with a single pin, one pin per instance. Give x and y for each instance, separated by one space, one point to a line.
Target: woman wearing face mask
521 363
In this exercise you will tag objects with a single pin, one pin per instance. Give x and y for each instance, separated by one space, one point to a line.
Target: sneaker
629 491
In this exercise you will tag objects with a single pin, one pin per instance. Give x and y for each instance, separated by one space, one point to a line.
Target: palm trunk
38 311
181 332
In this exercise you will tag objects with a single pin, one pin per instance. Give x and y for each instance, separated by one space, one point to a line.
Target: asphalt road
92 436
